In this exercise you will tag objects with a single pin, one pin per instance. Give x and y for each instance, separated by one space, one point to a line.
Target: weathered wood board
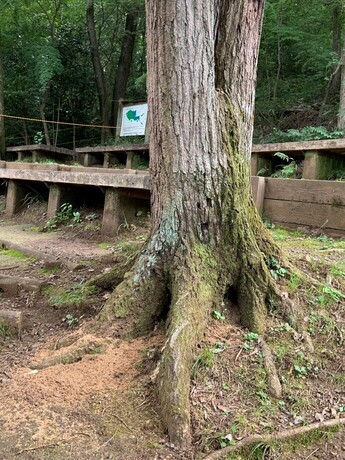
306 191
306 203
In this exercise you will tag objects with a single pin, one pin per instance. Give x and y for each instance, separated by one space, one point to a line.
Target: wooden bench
111 154
320 158
36 151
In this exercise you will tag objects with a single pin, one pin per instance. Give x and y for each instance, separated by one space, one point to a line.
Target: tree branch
279 436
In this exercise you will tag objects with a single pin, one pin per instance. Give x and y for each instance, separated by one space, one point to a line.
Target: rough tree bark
207 239
98 70
124 64
341 112
2 111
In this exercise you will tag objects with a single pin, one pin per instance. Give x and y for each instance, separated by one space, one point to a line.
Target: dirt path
100 407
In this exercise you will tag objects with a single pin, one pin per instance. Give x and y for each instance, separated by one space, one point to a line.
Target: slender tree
207 239
98 69
124 64
2 110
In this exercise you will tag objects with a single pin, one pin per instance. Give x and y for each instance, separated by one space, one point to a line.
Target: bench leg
35 156
113 213
320 166
106 160
16 192
129 160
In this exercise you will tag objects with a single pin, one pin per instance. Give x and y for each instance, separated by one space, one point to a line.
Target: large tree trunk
124 64
2 111
207 239
98 70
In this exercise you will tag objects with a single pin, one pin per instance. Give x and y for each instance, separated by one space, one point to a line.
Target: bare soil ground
103 404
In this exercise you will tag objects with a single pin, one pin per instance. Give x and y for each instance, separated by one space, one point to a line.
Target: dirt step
10 285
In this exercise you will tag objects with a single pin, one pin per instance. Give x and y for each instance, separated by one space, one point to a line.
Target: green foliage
48 64
252 337
276 270
296 57
66 214
226 440
329 295
309 133
4 331
204 360
71 320
38 138
217 315
75 296
14 253
288 171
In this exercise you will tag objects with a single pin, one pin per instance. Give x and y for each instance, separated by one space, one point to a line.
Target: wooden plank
311 214
113 148
307 191
41 147
331 145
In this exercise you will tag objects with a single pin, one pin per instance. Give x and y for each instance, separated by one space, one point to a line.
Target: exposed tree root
193 292
115 276
293 317
272 374
279 436
87 345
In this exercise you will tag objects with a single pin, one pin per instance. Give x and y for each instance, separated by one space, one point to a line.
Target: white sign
134 119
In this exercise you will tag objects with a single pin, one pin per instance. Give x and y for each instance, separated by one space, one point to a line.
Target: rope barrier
57 122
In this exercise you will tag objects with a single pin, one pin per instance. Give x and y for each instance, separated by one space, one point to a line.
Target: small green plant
219 347
71 320
252 337
63 216
226 440
294 283
338 270
301 371
276 270
4 331
329 294
247 347
205 360
76 219
73 297
38 138
217 315
263 396
268 223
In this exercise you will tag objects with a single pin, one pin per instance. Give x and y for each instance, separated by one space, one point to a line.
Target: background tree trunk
341 112
124 64
98 70
2 111
43 114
